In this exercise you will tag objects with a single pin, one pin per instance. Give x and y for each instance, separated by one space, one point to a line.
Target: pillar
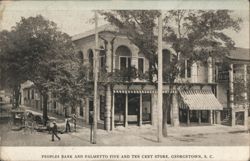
108 89
231 93
87 111
175 111
194 72
108 109
211 117
210 70
218 117
113 111
109 57
245 98
199 116
186 67
246 119
188 117
140 117
154 109
126 111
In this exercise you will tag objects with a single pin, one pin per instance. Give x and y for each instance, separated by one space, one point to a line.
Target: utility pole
96 54
159 102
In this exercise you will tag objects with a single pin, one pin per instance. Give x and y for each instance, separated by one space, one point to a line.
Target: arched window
123 57
81 56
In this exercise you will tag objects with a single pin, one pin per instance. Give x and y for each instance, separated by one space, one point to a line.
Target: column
126 111
113 111
87 111
194 72
218 117
109 57
231 93
140 117
246 119
210 70
188 117
245 97
175 111
154 109
108 108
211 117
199 116
185 63
108 89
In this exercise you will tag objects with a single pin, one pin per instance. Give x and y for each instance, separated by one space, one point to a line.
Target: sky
77 17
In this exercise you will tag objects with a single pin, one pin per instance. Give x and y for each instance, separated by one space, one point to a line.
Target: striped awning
200 100
140 89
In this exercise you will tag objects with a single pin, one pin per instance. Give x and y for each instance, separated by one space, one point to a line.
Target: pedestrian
74 121
54 131
67 125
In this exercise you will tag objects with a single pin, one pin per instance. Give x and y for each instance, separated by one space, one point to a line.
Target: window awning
200 100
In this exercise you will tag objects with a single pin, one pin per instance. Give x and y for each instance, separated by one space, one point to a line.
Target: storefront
132 109
199 107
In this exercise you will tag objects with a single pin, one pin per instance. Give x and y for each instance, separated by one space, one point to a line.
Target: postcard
124 80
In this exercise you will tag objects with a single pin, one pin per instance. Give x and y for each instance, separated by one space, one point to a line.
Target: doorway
133 109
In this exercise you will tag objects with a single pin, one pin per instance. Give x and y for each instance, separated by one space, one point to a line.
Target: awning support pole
199 115
126 111
188 117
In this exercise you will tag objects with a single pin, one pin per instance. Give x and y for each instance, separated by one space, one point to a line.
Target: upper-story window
28 93
102 58
125 62
141 65
123 57
185 70
32 94
81 56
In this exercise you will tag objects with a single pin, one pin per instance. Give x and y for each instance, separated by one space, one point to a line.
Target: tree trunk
16 96
45 108
165 118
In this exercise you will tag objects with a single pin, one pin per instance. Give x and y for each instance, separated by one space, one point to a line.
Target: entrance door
119 109
133 108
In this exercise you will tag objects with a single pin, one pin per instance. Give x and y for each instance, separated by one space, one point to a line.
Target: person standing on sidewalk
74 121
67 125
54 131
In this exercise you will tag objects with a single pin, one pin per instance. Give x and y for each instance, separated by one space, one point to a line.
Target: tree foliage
36 50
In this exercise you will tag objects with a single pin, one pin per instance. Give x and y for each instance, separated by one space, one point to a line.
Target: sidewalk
212 135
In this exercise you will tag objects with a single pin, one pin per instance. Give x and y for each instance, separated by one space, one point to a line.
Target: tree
42 53
71 87
193 34
13 64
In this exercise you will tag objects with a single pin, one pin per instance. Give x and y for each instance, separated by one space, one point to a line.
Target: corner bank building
203 94
135 102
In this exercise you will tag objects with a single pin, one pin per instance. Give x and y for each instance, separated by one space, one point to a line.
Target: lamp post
159 102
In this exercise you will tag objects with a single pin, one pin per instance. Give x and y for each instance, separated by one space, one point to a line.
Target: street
215 135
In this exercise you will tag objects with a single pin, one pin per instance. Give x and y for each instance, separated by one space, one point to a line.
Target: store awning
200 100
120 88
